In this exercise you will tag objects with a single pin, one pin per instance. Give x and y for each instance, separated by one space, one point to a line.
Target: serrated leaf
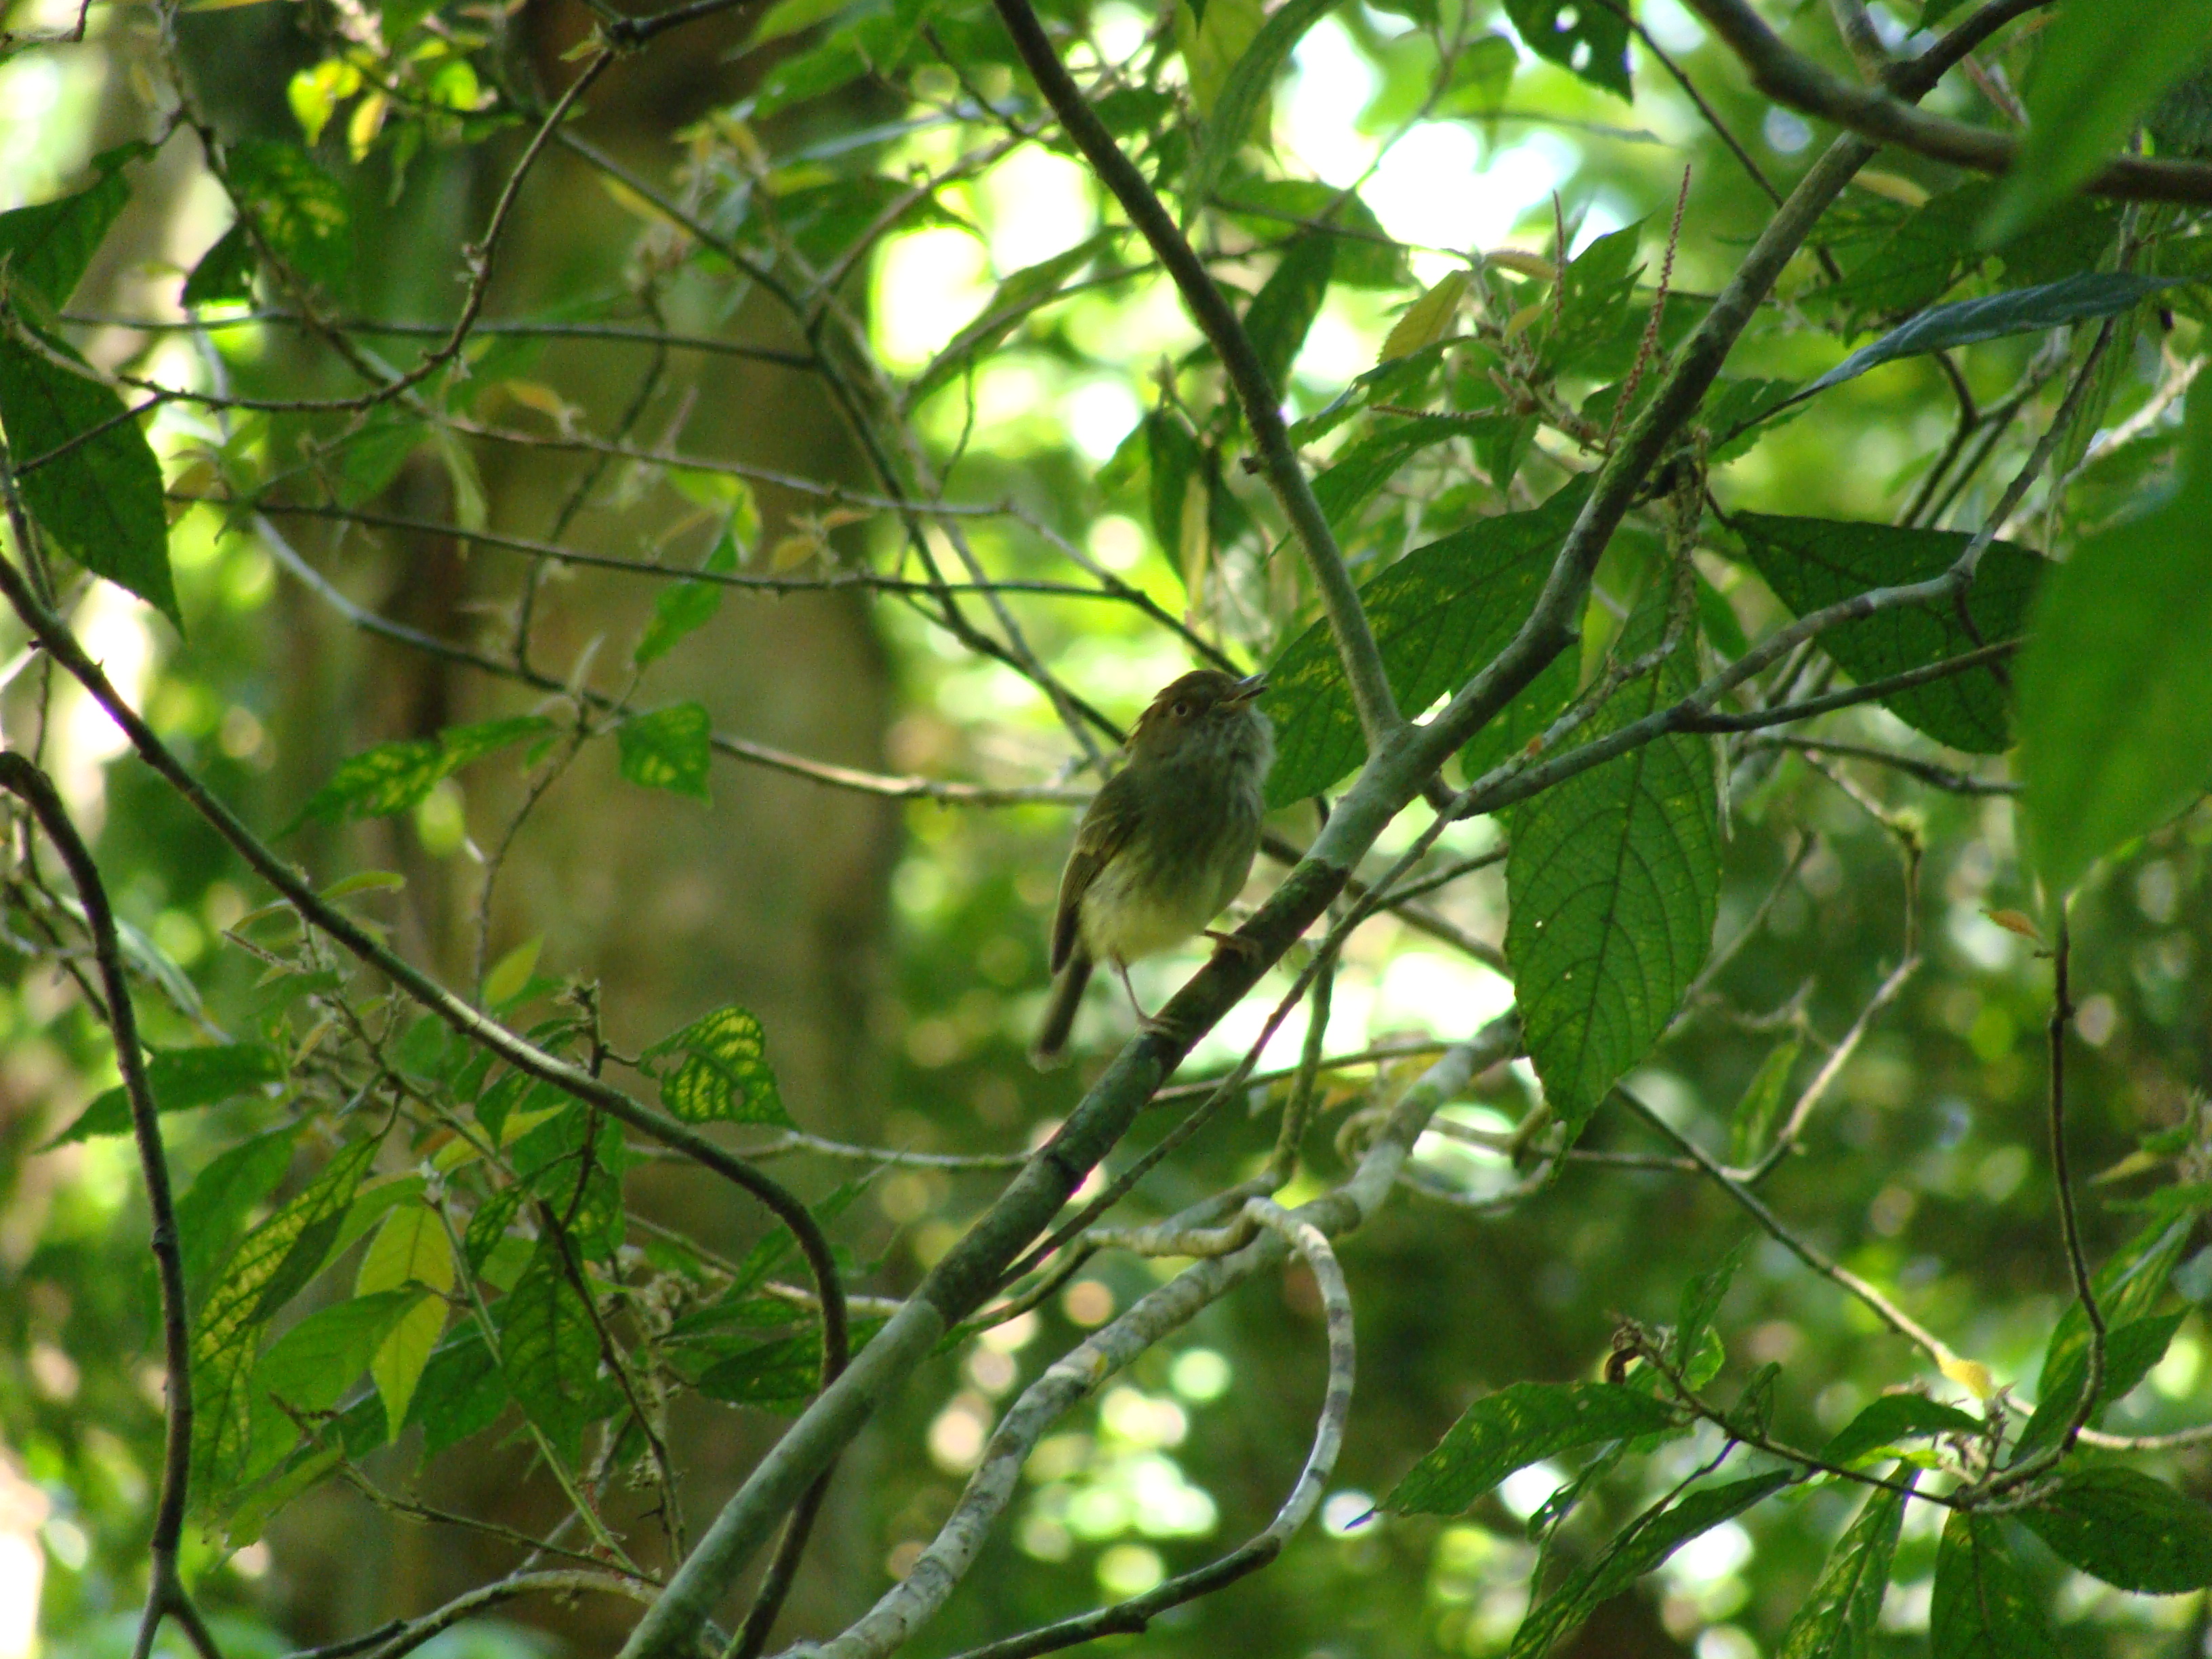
100 495
180 1080
1516 1426
1983 1608
1613 883
1591 40
395 777
2116 685
1636 1550
298 208
668 748
275 1261
1427 321
1282 311
2120 1525
2017 311
224 273
213 1211
1811 563
1838 1617
723 1077
550 1354
48 246
1753 1120
1438 615
2099 69
1890 1420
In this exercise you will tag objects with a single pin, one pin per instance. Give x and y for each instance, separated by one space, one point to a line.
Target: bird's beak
1247 689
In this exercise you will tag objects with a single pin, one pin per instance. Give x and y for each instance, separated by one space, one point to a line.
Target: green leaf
1017 297
211 1214
225 272
1438 615
782 1375
550 1354
1693 1320
1366 255
1424 323
1983 1608
1178 519
1890 1420
2116 685
1597 332
410 1249
1613 883
462 1392
275 1260
725 1076
1592 40
1281 313
1639 1547
180 1079
2127 1286
510 977
1481 77
392 777
1753 1120
1516 1426
1231 97
1360 470
2131 1350
668 748
1511 731
1811 563
298 208
99 496
2120 1525
1838 1617
2099 69
48 246
374 453
313 1364
2017 311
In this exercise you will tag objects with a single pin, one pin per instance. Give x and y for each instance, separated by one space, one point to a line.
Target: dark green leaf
2120 1525
1283 311
211 1214
779 1376
1641 1546
2116 685
1438 615
1360 470
2131 1349
2015 311
1891 1419
1752 1121
1699 1306
88 475
225 272
1402 378
668 748
180 1078
313 1364
2099 69
1739 413
580 1183
490 1223
1914 263
1526 718
1592 40
725 1076
1597 330
1177 464
1813 562
1983 1608
550 1354
371 456
1246 90
1612 883
392 777
462 1392
48 246
1516 1426
1838 1619
298 208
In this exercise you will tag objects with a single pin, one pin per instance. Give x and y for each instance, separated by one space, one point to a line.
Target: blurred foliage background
893 949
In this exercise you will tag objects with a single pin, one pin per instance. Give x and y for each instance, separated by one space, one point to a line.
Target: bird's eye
1180 711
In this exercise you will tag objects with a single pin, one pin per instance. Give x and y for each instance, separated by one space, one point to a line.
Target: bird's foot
1236 944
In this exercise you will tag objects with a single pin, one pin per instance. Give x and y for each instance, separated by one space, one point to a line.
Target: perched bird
1165 845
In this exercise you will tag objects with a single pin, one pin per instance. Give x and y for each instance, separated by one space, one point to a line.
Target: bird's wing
1105 829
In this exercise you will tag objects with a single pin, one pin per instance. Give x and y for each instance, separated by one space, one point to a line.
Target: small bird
1165 845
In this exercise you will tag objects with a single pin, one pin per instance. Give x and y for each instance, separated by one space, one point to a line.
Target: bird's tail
1050 1049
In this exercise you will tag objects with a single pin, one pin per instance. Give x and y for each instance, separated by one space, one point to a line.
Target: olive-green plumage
1166 844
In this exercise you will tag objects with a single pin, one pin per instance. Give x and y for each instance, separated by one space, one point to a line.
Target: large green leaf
2131 1350
1811 563
1243 91
1891 1419
180 1079
392 777
550 1352
48 245
2127 1286
1274 207
1438 615
1838 1619
1360 470
99 496
1516 1426
461 1392
298 210
2017 311
1591 39
2100 68
1613 882
1283 311
2120 1525
2116 683
723 1077
213 1211
1983 1608
1636 1550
